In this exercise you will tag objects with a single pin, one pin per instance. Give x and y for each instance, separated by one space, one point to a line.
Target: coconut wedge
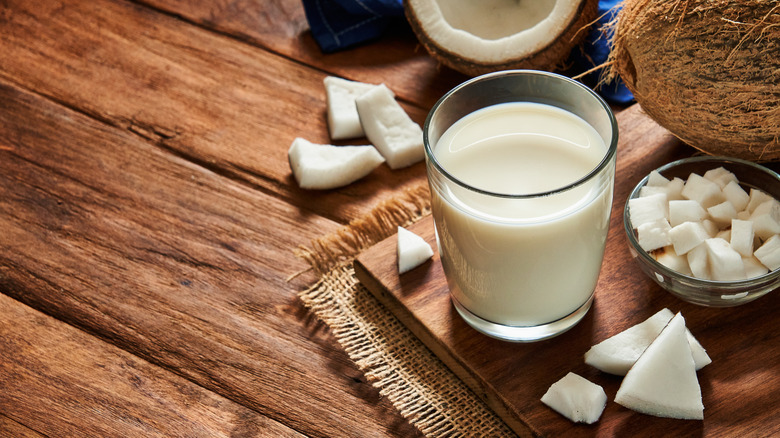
319 166
343 120
413 250
663 380
576 398
397 137
617 354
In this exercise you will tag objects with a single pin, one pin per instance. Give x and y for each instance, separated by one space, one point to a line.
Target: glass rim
608 156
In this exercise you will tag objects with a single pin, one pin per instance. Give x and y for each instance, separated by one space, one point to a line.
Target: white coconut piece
753 267
722 213
687 236
576 398
617 354
685 210
735 194
703 191
742 237
699 263
343 119
674 189
720 176
322 167
678 263
648 190
756 198
710 226
397 137
663 380
725 263
766 219
654 235
412 250
769 253
647 209
655 179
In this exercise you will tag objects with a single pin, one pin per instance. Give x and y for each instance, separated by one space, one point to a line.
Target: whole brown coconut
708 71
481 36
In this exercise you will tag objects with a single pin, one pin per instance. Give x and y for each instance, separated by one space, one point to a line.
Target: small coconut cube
724 234
324 166
678 263
720 176
647 209
725 263
710 226
651 190
743 215
756 198
703 191
389 128
343 119
674 189
742 237
655 179
687 236
654 235
685 210
697 261
769 253
576 398
735 194
766 219
753 267
722 213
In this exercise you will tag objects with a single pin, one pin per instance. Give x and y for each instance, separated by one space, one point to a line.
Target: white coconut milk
528 261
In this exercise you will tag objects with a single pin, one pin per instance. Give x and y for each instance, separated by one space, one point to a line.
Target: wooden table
148 219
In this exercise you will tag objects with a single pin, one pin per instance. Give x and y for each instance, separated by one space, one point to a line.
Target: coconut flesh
708 71
476 37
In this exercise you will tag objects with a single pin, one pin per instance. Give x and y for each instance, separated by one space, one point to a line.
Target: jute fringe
404 370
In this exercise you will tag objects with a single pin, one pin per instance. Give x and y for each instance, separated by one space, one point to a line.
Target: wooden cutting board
739 388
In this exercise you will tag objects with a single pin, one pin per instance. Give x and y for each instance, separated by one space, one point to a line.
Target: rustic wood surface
148 219
739 388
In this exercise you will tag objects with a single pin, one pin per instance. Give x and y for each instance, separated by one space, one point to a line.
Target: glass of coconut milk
521 166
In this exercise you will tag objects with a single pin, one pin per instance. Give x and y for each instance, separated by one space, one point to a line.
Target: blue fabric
341 24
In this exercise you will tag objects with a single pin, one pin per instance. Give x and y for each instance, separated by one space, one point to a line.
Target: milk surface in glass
527 261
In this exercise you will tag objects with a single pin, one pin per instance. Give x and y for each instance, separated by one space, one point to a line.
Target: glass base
523 333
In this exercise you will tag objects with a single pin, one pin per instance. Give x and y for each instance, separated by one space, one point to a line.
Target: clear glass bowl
695 290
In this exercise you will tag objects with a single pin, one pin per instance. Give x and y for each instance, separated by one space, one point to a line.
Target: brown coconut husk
550 58
708 71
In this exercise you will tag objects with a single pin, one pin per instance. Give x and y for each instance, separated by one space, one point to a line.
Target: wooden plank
63 382
9 427
172 263
513 377
396 58
226 105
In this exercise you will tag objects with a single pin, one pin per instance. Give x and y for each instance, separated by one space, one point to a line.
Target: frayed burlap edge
427 393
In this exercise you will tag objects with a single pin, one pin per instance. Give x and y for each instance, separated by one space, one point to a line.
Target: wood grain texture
63 382
739 388
223 104
173 263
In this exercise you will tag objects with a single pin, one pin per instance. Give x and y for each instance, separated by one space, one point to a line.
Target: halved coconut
476 37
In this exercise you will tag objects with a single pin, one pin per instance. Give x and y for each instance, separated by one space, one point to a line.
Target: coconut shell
550 58
708 71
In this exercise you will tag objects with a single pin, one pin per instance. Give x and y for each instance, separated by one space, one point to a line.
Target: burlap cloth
418 384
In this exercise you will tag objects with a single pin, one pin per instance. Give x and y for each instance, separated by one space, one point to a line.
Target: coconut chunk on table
412 250
343 119
769 253
703 191
663 381
725 263
322 167
397 137
576 398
